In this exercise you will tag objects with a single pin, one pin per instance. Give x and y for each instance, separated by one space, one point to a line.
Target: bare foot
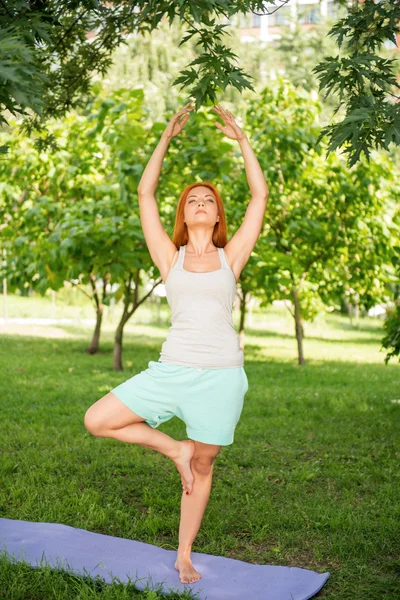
182 463
187 572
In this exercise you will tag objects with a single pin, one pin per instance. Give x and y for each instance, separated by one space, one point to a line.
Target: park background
310 480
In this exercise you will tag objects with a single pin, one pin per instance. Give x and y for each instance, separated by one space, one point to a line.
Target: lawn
310 481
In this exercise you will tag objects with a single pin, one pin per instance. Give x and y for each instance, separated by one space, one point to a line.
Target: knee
203 465
91 422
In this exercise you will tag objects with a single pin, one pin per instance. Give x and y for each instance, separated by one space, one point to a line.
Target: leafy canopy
50 50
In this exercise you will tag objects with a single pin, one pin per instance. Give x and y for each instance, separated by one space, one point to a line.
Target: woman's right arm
149 180
160 246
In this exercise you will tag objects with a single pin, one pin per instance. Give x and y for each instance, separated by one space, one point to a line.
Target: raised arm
160 245
240 246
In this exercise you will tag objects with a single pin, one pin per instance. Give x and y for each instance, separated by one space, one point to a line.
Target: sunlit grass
310 481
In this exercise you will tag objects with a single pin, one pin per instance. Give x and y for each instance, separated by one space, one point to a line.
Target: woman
200 376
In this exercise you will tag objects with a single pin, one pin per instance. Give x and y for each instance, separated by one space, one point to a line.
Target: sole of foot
182 463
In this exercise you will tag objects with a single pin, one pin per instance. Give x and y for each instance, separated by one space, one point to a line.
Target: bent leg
109 413
110 418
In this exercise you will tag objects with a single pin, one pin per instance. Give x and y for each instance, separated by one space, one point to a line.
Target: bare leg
192 511
144 435
110 418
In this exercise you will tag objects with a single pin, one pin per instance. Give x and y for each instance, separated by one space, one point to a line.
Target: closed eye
207 199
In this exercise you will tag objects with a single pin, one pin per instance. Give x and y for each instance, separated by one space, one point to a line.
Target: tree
41 230
51 49
391 340
326 226
66 213
365 81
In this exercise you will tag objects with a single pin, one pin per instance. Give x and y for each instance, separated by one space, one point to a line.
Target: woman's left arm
239 248
255 177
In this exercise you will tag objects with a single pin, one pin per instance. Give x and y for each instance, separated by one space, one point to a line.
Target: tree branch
92 279
157 282
68 30
77 285
293 315
272 11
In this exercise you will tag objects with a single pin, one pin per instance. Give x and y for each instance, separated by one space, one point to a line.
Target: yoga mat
87 553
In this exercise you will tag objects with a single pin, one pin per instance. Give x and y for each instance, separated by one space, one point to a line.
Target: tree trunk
117 358
94 344
99 303
126 314
130 298
349 307
298 327
5 312
356 313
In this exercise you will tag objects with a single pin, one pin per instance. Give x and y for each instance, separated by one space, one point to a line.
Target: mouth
200 211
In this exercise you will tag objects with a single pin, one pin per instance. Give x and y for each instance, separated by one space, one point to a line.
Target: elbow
264 196
144 193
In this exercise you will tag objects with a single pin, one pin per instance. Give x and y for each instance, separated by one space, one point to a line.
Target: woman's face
201 199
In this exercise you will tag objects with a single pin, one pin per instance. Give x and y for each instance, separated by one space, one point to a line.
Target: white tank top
202 332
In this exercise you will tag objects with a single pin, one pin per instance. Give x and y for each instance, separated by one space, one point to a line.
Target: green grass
310 481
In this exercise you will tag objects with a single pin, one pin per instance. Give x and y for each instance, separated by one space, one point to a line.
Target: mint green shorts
209 401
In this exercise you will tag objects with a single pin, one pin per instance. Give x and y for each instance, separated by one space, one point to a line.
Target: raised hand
178 121
231 128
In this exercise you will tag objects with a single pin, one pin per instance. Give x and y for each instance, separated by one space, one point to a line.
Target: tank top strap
224 262
179 262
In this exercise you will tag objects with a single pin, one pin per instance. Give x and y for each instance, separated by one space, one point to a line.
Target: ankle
184 554
176 451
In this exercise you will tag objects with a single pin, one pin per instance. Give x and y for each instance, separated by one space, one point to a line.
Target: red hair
180 236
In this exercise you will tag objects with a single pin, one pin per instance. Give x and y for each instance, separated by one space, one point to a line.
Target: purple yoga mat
87 553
